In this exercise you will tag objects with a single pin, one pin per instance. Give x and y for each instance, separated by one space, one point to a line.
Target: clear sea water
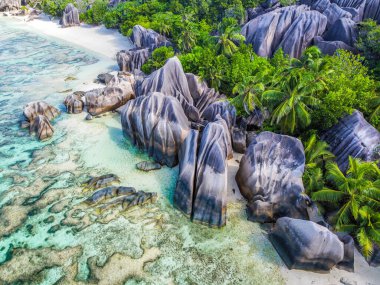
47 235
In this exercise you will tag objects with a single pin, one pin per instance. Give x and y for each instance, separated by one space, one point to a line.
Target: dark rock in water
74 104
374 259
54 229
210 202
127 197
129 60
270 178
291 28
147 38
49 220
343 30
32 110
101 181
184 192
372 10
102 100
156 123
223 109
9 5
170 80
239 140
148 166
306 245
349 247
70 16
41 127
353 136
330 47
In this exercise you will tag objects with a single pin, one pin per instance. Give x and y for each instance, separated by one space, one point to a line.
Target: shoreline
111 41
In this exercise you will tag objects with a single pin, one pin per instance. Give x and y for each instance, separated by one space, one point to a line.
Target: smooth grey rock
353 136
171 81
270 178
74 104
372 10
158 124
185 189
105 78
148 166
239 140
349 252
334 13
256 119
343 30
346 281
33 109
129 60
306 245
70 16
210 202
41 127
222 108
89 117
330 47
9 5
374 259
101 181
147 38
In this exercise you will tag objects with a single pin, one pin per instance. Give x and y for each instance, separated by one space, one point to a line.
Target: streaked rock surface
70 16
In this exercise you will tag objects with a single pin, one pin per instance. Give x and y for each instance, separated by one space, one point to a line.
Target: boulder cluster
330 25
70 16
9 5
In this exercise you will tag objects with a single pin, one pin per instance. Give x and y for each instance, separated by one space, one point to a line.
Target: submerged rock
101 181
70 16
148 166
353 136
129 60
41 127
270 178
9 5
306 245
74 103
156 123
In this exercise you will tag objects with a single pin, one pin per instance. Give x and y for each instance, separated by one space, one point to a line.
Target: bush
54 7
157 60
96 13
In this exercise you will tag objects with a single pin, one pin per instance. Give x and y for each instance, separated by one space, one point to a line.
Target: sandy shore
107 42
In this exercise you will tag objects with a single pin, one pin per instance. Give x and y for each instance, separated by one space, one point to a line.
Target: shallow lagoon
48 236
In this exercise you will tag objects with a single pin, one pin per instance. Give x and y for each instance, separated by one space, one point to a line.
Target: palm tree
187 40
226 41
316 155
357 195
248 94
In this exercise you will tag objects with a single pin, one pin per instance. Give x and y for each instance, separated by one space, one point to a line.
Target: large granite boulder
171 81
70 16
158 124
223 109
355 7
291 28
372 10
147 38
343 30
74 103
9 5
41 127
129 60
270 178
330 47
353 136
210 202
306 245
102 100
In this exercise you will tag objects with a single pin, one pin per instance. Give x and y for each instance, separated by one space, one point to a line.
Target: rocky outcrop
343 30
129 60
9 5
349 252
290 28
353 136
74 103
147 38
70 16
306 245
270 178
101 181
372 10
239 138
148 166
330 47
223 109
38 116
170 80
158 124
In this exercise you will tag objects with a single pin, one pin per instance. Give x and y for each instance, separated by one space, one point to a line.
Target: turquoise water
47 235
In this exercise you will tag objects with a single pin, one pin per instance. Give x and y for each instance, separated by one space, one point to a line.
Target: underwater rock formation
353 136
41 127
210 202
170 80
70 16
74 103
100 181
223 109
291 28
148 166
270 178
158 124
9 5
147 38
306 245
129 60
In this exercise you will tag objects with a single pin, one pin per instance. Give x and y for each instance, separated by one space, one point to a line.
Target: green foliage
357 196
55 7
368 44
95 14
158 59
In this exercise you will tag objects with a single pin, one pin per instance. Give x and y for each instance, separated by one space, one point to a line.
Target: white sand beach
107 43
